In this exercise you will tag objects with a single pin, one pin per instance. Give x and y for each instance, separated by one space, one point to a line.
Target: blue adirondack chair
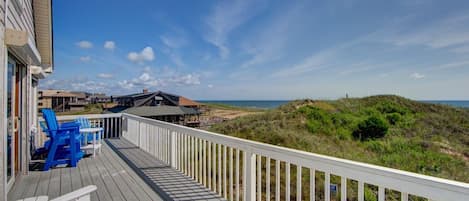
64 145
85 123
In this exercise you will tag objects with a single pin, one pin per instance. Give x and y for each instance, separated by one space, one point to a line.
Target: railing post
172 149
250 178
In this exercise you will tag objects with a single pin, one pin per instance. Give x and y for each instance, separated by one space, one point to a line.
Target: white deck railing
243 169
240 169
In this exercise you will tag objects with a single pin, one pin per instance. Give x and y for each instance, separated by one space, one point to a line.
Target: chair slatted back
84 122
51 121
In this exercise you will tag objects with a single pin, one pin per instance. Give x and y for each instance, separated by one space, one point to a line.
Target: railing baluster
381 193
186 154
237 175
287 181
210 166
404 196
298 182
277 180
312 184
361 191
343 189
214 167
249 176
205 161
225 194
200 162
219 169
231 173
192 157
267 178
259 177
327 186
179 151
113 127
197 158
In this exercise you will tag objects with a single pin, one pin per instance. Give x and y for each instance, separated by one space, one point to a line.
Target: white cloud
76 84
105 75
84 44
147 80
189 79
417 76
85 59
110 45
450 32
140 57
226 17
456 64
210 86
172 41
269 44
314 62
125 84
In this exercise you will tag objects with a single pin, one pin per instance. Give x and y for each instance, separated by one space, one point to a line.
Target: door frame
18 116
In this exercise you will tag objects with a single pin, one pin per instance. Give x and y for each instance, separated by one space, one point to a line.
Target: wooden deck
168 182
113 177
121 172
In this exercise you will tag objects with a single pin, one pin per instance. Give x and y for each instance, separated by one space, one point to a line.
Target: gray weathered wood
113 177
170 183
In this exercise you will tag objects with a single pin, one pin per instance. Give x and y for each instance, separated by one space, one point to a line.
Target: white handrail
143 132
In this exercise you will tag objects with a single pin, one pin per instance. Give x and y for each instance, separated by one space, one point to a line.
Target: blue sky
253 49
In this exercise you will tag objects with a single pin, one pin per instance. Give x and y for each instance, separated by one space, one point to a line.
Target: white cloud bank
105 75
226 17
417 76
84 44
147 80
110 45
146 54
85 59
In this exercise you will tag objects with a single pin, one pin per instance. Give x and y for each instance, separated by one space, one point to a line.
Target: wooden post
250 178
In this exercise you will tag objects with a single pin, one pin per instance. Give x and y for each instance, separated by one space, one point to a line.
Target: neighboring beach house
161 106
27 57
62 101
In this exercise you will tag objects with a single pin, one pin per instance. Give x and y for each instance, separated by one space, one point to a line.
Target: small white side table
96 143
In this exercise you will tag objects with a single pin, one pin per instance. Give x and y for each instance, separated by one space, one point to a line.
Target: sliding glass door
13 117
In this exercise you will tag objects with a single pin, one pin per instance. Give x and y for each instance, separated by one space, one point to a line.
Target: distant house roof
183 101
57 93
151 111
141 98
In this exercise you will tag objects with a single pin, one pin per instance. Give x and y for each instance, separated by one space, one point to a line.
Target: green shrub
388 107
371 128
394 118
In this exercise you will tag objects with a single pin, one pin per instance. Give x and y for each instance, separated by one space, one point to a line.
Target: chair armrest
69 124
70 128
80 194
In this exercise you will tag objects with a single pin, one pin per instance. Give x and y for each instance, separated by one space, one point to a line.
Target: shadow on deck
169 183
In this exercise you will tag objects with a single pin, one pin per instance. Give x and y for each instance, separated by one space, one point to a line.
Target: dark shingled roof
163 110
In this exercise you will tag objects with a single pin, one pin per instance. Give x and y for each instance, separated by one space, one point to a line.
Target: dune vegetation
385 130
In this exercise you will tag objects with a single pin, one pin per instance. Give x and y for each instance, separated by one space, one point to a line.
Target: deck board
121 172
107 171
168 182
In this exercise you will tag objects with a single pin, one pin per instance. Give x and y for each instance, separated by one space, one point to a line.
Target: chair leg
73 151
51 156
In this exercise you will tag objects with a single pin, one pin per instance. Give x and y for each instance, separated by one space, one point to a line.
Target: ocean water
263 104
269 104
454 103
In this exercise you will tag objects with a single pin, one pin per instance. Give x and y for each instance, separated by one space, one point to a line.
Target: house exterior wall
44 102
17 15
